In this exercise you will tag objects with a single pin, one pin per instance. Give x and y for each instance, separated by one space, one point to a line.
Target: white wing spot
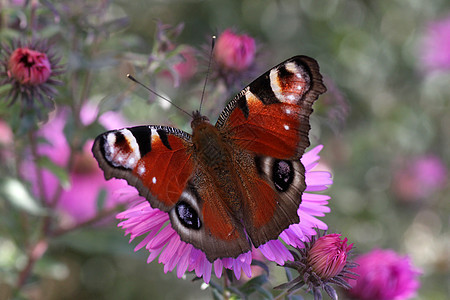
288 111
299 87
292 67
141 170
154 180
154 134
298 75
286 127
291 97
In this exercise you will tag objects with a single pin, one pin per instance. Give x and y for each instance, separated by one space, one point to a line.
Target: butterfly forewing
154 159
271 115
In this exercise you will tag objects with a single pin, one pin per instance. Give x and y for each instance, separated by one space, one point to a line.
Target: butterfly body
232 185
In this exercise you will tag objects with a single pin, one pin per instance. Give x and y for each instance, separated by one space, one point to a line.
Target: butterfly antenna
213 41
157 94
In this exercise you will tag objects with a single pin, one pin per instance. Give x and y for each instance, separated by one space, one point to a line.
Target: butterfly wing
159 162
215 229
154 159
269 120
271 116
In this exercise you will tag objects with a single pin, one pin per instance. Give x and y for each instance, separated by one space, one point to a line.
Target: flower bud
29 67
234 52
328 255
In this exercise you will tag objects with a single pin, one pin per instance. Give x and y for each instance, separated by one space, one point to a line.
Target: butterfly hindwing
202 219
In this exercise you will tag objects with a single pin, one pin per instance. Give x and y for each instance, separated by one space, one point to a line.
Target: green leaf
60 173
253 284
17 194
265 293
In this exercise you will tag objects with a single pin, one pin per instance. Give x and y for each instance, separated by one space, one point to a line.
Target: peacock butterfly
233 185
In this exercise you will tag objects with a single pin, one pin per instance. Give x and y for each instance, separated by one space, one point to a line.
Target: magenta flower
234 52
140 219
418 178
384 275
29 67
30 70
78 202
323 261
328 255
436 45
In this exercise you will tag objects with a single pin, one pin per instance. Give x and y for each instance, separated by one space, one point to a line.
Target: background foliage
384 110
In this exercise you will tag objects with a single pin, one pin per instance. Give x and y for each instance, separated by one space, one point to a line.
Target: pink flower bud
29 67
234 52
328 255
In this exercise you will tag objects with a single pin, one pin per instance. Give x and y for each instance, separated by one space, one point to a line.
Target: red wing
202 219
271 116
158 162
273 189
154 159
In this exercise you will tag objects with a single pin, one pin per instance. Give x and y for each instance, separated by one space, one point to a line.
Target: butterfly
230 185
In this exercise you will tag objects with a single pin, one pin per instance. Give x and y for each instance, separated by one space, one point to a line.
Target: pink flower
436 45
384 275
29 70
29 66
322 262
234 52
328 256
140 219
418 178
78 202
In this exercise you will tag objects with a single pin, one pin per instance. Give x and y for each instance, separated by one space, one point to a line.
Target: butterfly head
198 119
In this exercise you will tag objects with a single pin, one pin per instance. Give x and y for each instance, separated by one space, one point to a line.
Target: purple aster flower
78 202
384 275
162 241
436 45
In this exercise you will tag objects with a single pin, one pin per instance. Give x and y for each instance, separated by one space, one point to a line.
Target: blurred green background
384 110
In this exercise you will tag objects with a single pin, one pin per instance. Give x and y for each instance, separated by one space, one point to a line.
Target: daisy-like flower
322 262
384 275
30 70
161 240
